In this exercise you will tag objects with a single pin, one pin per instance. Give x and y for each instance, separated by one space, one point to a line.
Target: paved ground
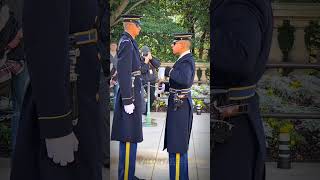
299 171
152 162
5 171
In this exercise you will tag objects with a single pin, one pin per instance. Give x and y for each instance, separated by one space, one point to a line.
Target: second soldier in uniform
179 111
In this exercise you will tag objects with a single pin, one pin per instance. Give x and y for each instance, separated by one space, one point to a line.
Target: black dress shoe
136 178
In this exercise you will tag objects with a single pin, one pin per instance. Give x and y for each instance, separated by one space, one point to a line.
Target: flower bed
296 93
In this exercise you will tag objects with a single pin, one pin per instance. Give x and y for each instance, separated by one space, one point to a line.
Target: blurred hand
15 42
129 108
149 55
113 82
146 59
161 88
61 150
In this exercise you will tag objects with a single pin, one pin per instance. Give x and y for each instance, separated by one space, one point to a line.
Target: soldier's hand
61 150
15 42
149 56
129 108
146 59
161 88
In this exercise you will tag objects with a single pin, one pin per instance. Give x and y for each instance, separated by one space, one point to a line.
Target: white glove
129 108
62 149
161 88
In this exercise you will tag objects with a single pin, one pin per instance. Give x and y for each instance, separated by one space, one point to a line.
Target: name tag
150 70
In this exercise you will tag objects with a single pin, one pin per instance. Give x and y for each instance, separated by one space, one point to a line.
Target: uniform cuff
55 126
167 71
127 101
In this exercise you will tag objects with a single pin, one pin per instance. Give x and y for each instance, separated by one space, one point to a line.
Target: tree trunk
115 15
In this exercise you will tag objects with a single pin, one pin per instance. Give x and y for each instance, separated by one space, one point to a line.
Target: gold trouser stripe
126 166
177 166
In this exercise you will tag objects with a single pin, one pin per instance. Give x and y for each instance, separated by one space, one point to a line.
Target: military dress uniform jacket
128 127
179 122
46 111
242 33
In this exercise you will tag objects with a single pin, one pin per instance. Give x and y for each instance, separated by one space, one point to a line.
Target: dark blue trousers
178 166
127 160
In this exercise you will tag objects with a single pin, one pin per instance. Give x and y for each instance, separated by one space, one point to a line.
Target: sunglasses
138 25
174 43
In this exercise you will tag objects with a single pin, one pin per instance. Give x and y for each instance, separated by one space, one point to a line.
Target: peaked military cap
182 36
132 18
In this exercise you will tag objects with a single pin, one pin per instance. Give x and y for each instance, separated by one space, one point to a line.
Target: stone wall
299 14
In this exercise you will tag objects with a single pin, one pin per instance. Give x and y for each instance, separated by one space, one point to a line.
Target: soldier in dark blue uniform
241 38
127 120
59 135
179 111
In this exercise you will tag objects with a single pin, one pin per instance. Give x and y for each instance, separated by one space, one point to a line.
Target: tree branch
119 11
117 20
135 5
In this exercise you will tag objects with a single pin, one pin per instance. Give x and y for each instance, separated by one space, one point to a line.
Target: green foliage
296 93
312 39
162 18
295 84
200 102
161 104
270 92
312 35
279 125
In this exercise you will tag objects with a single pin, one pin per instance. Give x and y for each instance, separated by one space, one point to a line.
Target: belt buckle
243 108
93 33
181 96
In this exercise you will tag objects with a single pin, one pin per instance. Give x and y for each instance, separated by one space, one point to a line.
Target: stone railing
299 15
202 67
